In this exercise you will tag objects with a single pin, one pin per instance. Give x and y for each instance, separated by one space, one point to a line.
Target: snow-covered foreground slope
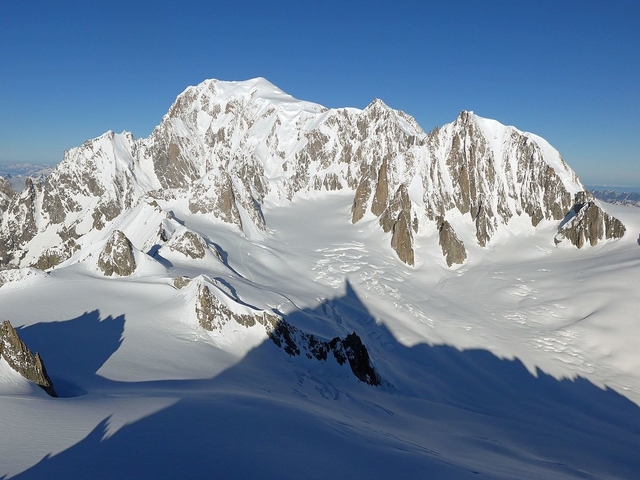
521 363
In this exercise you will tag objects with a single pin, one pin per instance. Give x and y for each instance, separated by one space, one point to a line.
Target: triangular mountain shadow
444 413
74 350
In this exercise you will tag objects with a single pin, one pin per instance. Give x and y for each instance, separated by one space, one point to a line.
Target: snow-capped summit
226 149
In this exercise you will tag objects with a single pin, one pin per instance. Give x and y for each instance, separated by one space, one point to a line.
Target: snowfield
521 363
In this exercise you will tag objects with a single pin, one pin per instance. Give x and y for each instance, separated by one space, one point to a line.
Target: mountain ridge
226 148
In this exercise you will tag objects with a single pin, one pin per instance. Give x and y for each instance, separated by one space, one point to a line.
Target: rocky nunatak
349 349
213 314
588 223
452 247
117 256
22 360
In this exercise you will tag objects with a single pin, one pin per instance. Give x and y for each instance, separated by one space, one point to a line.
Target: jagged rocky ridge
226 148
14 351
588 223
6 192
215 307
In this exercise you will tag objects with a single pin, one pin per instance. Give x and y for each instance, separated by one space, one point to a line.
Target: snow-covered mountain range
229 148
631 199
276 284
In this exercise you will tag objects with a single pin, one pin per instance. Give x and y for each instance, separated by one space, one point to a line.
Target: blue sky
566 70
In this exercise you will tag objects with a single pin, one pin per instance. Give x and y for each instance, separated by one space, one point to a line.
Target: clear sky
568 70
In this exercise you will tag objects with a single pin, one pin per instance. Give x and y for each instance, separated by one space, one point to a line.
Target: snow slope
521 363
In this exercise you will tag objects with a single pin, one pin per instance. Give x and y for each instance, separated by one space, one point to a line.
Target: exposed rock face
498 181
189 244
213 314
6 192
473 165
117 256
218 198
55 255
349 349
92 185
588 223
352 348
224 147
397 218
380 198
359 206
19 223
452 247
100 169
20 358
180 282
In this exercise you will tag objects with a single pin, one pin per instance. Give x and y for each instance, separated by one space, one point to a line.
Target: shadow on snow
74 350
443 413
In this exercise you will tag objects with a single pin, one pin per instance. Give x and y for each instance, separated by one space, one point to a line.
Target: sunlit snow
521 363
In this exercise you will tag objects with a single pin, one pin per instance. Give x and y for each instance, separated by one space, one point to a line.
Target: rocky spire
452 247
14 351
117 258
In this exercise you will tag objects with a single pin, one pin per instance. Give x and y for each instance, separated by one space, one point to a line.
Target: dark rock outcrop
20 225
212 314
349 349
218 198
381 195
22 360
396 217
117 256
362 194
588 223
452 247
53 256
6 192
352 348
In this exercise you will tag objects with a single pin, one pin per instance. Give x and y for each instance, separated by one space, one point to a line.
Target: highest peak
252 85
254 89
258 87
